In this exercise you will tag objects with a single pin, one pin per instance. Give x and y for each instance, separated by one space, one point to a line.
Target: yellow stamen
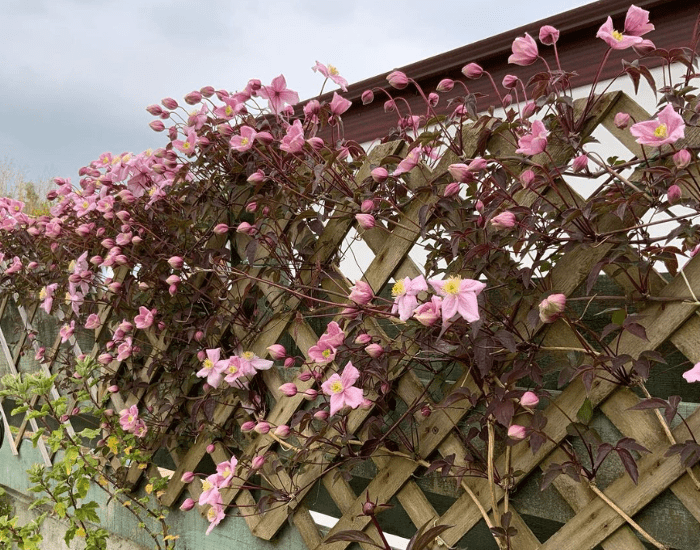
208 364
337 386
42 294
244 141
211 514
332 70
248 355
661 131
399 289
617 35
232 369
451 286
326 353
206 485
228 110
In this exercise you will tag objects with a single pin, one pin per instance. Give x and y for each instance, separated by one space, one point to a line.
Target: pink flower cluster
456 296
130 422
236 371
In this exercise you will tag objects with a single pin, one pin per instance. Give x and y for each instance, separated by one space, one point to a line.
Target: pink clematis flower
534 142
341 390
145 318
404 293
293 141
67 331
249 360
615 39
325 349
361 293
428 313
637 21
278 95
213 367
128 418
458 297
524 51
552 307
188 145
93 321
214 516
329 71
692 375
46 296
339 104
667 127
210 491
237 373
226 471
244 141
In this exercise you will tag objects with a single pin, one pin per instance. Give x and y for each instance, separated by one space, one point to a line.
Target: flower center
211 514
399 289
337 387
332 70
228 110
452 285
248 355
42 294
244 141
661 131
226 472
206 485
186 145
208 364
617 35
232 369
326 353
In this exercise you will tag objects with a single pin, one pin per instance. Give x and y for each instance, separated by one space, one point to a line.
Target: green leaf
619 317
585 413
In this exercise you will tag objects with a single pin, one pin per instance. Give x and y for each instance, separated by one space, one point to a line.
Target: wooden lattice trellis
594 521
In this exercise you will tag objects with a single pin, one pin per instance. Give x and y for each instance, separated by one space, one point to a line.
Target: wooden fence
593 521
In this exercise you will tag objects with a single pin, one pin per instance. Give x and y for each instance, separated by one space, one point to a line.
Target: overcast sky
76 75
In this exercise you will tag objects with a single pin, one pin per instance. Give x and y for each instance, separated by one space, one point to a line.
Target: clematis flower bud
361 293
452 189
289 362
674 194
580 163
187 505
282 431
321 415
552 307
176 262
517 432
222 228
277 351
169 103
262 427
310 394
366 221
187 477
374 350
256 177
248 426
445 85
461 172
504 220
681 159
367 206
289 389
529 399
305 376
510 81
244 227
526 178
157 126
193 98
472 70
397 79
379 174
257 462
113 388
548 35
367 97
210 448
621 120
